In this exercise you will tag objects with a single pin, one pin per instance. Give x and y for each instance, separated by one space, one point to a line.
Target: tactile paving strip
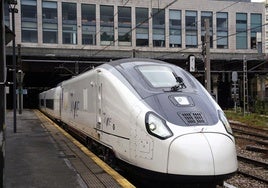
82 160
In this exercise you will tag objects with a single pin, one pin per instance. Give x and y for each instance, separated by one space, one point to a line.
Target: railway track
244 137
253 132
252 150
254 169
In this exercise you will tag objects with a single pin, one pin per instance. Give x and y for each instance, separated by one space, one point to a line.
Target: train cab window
159 76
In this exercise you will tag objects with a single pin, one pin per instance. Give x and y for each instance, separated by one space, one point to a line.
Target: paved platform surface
40 154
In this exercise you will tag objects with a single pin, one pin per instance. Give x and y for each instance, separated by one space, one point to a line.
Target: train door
99 102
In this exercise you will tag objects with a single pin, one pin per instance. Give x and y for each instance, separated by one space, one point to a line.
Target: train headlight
156 126
225 122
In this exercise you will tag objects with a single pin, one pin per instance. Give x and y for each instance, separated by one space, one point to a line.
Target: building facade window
88 24
255 27
142 27
159 27
69 23
191 29
50 22
28 21
124 26
222 30
241 31
174 28
107 25
209 16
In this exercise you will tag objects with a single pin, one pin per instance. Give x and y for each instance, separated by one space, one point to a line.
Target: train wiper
179 85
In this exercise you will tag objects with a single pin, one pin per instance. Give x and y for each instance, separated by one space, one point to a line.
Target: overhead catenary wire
115 14
218 38
132 29
199 21
152 15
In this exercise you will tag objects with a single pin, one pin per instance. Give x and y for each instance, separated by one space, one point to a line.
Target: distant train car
49 102
152 115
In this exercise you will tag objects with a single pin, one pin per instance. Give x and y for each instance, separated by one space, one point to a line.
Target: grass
249 119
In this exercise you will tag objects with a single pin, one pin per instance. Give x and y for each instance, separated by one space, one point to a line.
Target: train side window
65 100
85 102
50 104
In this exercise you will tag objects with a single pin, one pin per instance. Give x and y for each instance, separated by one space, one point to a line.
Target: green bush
252 119
261 107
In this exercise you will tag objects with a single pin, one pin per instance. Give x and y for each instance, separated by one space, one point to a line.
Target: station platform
41 154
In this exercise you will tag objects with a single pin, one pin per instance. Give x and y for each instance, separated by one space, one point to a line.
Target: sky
257 0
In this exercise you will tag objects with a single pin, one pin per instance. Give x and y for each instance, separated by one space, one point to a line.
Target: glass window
85 97
207 15
255 27
88 24
50 22
28 21
69 23
142 27
49 11
159 27
174 28
152 72
191 29
107 25
222 30
241 31
124 26
50 103
42 102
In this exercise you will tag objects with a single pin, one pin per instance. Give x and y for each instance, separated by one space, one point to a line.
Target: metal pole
2 93
244 89
14 72
207 58
76 67
235 96
20 80
245 86
20 92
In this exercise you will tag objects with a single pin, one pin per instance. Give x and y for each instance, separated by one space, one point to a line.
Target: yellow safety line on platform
120 179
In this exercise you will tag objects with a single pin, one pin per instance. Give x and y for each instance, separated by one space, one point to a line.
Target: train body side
115 105
100 105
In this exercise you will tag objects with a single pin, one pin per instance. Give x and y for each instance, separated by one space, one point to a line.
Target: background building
65 37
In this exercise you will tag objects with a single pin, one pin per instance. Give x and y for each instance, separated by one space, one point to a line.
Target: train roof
132 60
138 76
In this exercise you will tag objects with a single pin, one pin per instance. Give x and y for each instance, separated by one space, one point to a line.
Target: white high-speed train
152 115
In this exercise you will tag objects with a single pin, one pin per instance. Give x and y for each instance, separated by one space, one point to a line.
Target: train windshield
160 76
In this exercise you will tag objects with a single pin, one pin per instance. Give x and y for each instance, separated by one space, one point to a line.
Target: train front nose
202 154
